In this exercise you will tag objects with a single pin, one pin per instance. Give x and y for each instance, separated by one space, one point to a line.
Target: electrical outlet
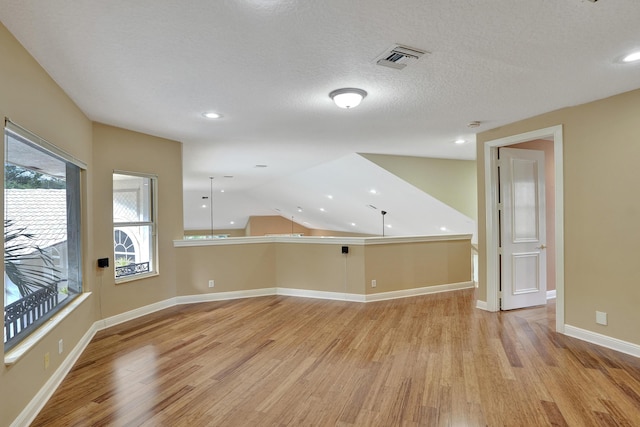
60 347
211 283
601 318
374 283
46 360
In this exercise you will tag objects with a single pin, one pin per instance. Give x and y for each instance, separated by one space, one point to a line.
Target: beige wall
453 182
322 266
602 207
232 232
273 224
404 266
550 204
232 267
31 99
119 149
333 233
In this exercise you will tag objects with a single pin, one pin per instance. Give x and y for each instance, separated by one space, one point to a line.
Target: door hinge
499 163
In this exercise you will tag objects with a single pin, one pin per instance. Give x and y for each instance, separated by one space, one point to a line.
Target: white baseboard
482 305
134 314
603 340
418 291
223 296
31 411
551 294
304 293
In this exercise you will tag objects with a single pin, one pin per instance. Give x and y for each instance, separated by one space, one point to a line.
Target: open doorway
527 140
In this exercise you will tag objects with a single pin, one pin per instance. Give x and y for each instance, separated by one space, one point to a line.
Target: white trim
223 296
482 305
42 143
418 291
602 340
304 293
31 411
13 355
138 174
491 225
319 240
134 314
551 294
415 239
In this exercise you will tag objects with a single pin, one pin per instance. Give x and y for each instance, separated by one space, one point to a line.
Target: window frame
152 223
74 190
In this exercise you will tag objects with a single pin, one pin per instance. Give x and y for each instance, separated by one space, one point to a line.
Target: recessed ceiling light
212 115
329 196
321 209
222 191
299 209
373 191
232 222
459 141
353 224
204 206
388 225
632 57
443 228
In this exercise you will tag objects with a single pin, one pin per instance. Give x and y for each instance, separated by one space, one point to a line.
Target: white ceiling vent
399 56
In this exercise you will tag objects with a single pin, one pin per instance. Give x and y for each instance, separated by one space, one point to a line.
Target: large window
42 253
134 225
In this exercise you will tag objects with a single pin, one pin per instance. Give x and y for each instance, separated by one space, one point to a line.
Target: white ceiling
268 66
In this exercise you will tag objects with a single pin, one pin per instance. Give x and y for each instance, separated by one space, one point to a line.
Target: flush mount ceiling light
211 115
459 141
347 97
632 57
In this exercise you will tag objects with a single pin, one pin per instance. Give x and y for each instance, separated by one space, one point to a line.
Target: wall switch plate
60 347
211 283
374 283
601 318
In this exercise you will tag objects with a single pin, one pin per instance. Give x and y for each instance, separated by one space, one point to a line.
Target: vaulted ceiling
268 66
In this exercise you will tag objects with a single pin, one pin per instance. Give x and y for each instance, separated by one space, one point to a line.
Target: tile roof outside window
42 212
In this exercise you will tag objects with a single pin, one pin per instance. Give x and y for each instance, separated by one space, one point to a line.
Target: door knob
541 247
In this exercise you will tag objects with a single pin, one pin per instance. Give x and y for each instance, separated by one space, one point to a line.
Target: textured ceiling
268 66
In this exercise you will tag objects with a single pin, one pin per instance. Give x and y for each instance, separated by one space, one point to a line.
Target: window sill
135 277
16 353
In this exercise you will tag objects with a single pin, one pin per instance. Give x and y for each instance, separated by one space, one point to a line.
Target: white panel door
523 275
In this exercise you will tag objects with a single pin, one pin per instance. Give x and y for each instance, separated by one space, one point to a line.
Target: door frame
491 208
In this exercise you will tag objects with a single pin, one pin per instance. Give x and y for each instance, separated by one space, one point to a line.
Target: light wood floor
432 360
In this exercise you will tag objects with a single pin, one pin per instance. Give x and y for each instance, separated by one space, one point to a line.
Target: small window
134 225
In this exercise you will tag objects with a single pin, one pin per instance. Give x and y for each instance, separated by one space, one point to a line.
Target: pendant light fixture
348 97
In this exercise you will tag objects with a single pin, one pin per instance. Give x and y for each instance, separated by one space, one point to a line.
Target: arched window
125 251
